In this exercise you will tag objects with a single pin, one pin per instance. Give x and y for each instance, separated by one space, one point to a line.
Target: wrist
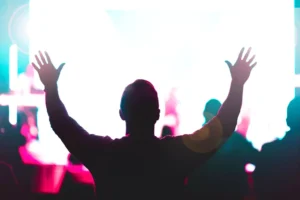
236 87
50 87
237 83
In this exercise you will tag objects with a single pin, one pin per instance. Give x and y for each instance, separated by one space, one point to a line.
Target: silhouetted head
293 114
139 104
211 109
167 131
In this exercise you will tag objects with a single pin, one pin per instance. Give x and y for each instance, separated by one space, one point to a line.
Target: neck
140 131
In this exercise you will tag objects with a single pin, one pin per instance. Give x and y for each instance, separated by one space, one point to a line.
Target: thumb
60 67
228 63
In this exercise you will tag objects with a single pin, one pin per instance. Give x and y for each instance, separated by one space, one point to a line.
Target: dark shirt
145 169
278 169
223 176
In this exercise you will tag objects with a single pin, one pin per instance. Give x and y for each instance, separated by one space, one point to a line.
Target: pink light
249 168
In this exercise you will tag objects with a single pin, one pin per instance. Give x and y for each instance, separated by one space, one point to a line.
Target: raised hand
242 68
46 70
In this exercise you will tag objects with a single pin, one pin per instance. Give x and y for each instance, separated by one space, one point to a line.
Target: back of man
277 174
144 168
224 176
140 166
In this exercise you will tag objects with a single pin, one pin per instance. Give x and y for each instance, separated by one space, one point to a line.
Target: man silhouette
278 174
140 165
223 176
10 142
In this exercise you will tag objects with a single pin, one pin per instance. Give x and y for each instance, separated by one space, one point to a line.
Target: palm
241 70
46 70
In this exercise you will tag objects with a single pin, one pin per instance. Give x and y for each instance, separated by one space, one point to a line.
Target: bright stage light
249 168
101 58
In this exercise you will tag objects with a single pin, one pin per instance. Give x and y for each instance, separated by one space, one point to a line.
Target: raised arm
66 128
219 129
74 137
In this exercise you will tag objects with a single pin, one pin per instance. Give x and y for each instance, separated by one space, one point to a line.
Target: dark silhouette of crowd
206 164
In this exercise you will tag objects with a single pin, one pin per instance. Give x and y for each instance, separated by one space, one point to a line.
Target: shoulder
171 139
271 145
177 143
237 138
171 143
102 140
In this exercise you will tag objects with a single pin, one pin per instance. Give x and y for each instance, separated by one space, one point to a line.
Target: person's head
139 105
211 109
167 131
293 114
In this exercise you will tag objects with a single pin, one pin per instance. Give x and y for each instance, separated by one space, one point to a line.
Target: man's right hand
46 70
242 68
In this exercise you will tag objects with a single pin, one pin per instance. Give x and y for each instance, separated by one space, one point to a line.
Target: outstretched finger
254 64
241 53
251 59
60 67
42 57
48 58
35 67
247 54
38 60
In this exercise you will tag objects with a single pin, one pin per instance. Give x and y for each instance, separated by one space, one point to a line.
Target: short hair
139 99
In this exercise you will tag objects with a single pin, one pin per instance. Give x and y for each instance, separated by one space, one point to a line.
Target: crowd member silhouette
211 109
223 176
134 167
277 175
10 141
